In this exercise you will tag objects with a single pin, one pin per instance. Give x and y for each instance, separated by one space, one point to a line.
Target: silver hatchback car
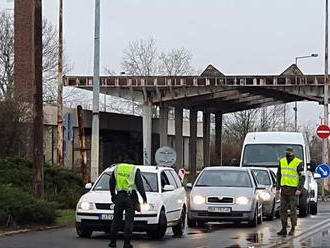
227 194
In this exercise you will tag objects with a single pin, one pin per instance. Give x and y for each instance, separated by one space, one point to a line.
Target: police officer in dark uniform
290 182
125 180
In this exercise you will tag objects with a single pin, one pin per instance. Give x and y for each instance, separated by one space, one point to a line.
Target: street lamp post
296 104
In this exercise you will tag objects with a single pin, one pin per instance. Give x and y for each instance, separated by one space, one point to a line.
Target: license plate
219 210
106 217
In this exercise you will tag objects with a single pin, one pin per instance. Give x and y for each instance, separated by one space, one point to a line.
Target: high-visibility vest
289 173
125 177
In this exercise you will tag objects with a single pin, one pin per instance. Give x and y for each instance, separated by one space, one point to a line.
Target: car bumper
93 221
209 216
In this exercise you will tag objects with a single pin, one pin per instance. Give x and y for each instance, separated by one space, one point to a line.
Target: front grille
207 214
102 206
221 200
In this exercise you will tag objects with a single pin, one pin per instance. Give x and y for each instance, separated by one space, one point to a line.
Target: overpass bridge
211 92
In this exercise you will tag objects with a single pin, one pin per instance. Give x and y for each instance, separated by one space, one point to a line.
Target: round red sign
323 131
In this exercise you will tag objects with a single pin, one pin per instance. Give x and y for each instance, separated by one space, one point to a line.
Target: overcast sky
237 36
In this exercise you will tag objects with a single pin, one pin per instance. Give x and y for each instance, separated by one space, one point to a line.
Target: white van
265 149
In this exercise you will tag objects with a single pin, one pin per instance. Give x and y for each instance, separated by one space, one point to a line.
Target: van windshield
268 155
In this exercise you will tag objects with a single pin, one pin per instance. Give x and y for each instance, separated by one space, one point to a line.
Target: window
164 180
103 183
176 178
273 177
262 177
171 179
224 178
150 182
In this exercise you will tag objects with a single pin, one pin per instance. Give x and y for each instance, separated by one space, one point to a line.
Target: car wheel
254 221
303 205
272 214
313 208
161 229
259 221
179 228
192 222
83 232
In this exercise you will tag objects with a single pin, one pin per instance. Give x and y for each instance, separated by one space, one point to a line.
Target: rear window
224 178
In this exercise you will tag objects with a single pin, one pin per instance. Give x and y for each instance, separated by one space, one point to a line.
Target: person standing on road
125 180
290 182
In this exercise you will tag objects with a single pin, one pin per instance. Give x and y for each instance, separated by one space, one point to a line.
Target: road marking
308 232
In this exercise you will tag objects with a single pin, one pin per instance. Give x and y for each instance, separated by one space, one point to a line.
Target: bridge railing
192 81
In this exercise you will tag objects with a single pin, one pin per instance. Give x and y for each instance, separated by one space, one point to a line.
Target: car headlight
265 196
86 205
242 200
147 207
198 199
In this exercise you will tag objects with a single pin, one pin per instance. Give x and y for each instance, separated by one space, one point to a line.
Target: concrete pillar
206 138
218 138
147 133
163 125
179 138
193 141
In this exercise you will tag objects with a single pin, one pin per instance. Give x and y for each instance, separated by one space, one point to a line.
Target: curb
45 228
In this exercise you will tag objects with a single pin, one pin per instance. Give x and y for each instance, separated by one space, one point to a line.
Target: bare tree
140 58
49 63
176 63
6 55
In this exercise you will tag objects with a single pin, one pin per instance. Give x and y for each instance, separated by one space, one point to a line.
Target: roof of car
146 168
274 138
235 168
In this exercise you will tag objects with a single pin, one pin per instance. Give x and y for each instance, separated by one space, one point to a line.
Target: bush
61 185
23 208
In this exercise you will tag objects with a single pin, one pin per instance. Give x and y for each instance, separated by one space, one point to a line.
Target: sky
236 36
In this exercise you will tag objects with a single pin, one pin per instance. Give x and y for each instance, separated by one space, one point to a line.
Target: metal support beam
147 132
206 138
193 142
179 137
218 138
163 125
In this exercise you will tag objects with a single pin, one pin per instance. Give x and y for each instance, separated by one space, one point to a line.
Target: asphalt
313 231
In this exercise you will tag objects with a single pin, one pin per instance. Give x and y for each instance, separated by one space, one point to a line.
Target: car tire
313 208
254 221
179 228
159 233
83 232
272 214
303 205
191 222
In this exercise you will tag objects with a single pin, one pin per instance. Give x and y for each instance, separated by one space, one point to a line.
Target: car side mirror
168 188
189 186
88 186
317 176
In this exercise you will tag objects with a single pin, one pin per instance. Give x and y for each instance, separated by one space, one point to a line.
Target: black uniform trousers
124 202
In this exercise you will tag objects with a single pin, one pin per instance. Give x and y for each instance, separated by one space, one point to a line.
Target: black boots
113 243
291 233
127 242
282 232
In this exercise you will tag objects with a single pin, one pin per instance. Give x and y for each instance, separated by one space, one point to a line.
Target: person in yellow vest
290 182
125 180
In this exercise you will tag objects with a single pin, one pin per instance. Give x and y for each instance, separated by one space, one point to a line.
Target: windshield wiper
145 179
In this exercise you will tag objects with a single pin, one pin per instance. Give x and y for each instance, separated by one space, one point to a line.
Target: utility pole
60 160
38 154
326 82
96 96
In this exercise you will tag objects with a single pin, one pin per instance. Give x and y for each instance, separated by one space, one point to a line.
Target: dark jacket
300 170
134 196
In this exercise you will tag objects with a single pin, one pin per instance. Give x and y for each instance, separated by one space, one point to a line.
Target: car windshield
261 176
149 182
224 178
268 155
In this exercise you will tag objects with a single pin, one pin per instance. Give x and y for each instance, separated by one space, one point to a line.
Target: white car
166 204
226 194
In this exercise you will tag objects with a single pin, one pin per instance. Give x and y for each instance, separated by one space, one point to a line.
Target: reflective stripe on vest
289 173
125 177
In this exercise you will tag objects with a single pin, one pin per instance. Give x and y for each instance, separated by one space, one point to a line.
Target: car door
181 190
175 213
277 196
167 197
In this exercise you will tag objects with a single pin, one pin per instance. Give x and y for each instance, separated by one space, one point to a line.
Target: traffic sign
323 131
165 156
181 174
323 170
